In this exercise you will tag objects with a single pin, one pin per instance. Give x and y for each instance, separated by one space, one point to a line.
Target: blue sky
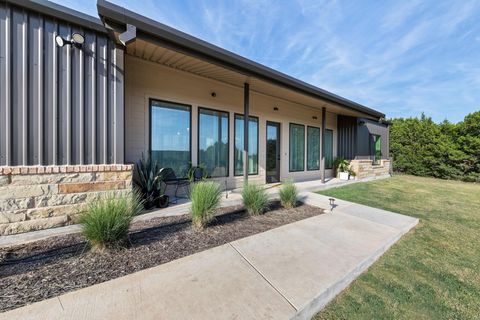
400 57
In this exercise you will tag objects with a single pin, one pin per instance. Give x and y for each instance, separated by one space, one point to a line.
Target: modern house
81 99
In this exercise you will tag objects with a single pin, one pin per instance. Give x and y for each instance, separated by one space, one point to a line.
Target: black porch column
246 102
322 162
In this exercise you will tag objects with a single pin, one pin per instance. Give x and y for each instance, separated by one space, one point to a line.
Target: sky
399 57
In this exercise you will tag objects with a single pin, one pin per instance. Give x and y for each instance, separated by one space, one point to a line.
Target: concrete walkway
286 273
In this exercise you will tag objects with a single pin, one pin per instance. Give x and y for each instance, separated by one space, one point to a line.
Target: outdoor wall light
275 108
77 40
314 118
361 123
213 94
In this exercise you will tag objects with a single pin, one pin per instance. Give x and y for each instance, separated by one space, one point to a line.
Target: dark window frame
228 139
319 150
329 168
190 118
290 143
375 161
258 138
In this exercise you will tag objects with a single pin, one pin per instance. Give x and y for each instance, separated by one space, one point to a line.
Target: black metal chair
171 179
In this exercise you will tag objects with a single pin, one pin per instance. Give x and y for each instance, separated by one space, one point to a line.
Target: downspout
322 163
246 107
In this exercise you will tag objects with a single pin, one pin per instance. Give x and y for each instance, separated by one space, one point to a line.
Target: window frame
319 149
190 119
329 168
199 108
258 138
375 161
289 147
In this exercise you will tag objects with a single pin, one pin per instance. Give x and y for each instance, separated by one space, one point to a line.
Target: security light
77 40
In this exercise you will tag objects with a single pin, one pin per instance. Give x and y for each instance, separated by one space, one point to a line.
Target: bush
255 199
288 194
148 180
205 197
106 221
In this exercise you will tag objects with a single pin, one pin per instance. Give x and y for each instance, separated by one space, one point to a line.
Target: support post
322 163
246 106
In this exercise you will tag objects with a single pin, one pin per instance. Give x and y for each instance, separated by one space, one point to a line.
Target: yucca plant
205 197
255 199
148 180
288 194
106 221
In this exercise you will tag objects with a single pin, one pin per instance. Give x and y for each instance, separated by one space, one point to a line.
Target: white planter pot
343 175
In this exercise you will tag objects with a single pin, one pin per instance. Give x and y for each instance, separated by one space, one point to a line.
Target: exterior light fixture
332 203
314 118
361 123
213 94
77 40
275 108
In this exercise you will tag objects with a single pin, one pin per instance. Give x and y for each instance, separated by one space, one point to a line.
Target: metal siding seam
6 75
82 106
40 91
24 90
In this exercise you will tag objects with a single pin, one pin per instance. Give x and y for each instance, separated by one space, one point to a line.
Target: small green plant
288 194
106 221
148 180
341 164
205 197
255 199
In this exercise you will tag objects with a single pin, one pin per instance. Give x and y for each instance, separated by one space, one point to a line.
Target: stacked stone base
41 197
364 168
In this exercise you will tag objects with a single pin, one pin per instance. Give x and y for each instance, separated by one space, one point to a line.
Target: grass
288 194
431 273
255 199
205 197
106 221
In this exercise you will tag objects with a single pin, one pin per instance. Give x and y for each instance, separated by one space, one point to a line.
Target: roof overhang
116 19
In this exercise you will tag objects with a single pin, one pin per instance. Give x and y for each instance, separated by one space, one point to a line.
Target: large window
170 135
297 147
252 144
376 148
213 141
328 149
313 148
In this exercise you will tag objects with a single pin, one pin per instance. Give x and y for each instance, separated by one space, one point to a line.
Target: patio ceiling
161 44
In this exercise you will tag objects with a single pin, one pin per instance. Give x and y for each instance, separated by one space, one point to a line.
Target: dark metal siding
367 127
58 105
347 137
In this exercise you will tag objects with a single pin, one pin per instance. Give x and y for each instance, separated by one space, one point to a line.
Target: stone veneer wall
364 168
41 197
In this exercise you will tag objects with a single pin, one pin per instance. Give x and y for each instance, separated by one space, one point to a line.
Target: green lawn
433 272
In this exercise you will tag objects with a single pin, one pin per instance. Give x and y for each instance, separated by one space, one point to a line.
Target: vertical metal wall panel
64 97
119 124
77 104
90 97
347 137
18 83
50 93
35 98
5 104
58 105
102 95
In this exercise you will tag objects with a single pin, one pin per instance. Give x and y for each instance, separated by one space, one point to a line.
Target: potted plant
342 167
351 173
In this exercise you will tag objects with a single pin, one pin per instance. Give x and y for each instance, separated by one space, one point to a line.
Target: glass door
273 152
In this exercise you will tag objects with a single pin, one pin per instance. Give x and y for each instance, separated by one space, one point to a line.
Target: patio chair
171 179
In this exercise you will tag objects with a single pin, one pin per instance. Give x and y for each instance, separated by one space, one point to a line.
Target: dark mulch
51 267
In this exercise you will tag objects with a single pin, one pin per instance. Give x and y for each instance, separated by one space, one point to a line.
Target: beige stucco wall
147 80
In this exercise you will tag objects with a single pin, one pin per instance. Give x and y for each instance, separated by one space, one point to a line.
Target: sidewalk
288 272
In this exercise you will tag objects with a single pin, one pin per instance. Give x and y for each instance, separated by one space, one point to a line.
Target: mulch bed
54 266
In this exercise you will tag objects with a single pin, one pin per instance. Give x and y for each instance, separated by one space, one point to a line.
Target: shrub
148 180
255 199
288 194
106 221
205 197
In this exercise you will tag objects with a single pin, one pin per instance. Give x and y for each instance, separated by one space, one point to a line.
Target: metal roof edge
62 13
